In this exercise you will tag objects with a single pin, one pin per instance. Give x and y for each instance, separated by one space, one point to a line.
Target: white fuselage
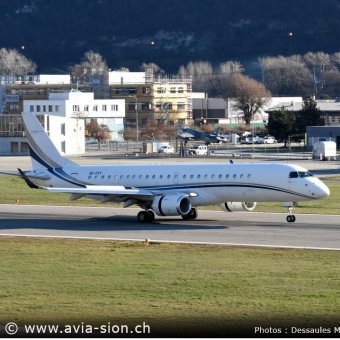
206 183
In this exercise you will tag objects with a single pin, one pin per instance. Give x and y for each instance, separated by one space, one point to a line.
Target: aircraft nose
322 190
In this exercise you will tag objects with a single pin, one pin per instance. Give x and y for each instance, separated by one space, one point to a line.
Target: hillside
55 34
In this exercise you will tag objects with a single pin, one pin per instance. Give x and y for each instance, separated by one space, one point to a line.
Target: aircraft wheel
191 215
291 218
142 217
151 216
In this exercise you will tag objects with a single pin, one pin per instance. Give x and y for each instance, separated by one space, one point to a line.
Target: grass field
166 285
13 189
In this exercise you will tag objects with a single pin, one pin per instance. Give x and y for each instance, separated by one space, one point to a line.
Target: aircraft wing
107 193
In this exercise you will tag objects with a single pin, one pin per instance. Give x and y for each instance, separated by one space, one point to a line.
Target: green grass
165 284
13 189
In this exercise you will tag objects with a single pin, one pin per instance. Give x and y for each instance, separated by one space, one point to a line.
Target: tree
13 63
281 124
250 95
92 66
309 115
100 132
286 75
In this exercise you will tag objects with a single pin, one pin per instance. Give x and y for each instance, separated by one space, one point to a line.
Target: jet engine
171 205
238 206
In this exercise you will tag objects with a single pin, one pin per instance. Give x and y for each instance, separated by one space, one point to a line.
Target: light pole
136 109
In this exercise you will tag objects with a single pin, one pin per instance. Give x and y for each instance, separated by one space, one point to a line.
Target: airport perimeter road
250 229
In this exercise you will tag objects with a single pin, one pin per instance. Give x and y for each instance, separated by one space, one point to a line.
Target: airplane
168 190
187 134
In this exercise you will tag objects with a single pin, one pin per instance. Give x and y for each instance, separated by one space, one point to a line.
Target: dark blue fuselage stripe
61 175
240 185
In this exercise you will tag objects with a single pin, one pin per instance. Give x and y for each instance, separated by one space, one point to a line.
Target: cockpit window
293 174
301 174
304 174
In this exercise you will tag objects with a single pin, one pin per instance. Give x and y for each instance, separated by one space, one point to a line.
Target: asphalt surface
211 227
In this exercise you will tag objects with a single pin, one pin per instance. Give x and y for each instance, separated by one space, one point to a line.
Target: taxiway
212 227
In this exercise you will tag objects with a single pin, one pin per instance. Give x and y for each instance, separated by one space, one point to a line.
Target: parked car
201 150
245 140
166 149
269 140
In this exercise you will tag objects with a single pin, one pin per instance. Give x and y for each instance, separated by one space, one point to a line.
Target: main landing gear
191 215
290 217
146 216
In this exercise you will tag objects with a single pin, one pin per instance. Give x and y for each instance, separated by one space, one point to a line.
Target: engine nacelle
238 206
171 205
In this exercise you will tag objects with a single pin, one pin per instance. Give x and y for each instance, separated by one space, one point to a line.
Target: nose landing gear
290 217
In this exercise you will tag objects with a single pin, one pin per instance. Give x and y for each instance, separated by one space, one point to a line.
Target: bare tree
250 96
202 74
13 63
319 63
92 66
157 70
286 75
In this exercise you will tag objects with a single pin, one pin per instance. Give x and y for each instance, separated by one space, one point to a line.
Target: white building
64 116
122 77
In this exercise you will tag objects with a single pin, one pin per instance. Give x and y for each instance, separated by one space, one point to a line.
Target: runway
211 227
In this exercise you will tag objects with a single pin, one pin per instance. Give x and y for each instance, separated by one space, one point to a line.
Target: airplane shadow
112 223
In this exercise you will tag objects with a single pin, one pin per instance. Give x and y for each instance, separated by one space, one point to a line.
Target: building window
57 108
50 108
95 107
172 89
63 147
114 107
180 90
146 90
180 106
75 108
161 90
104 107
86 108
31 108
62 129
38 108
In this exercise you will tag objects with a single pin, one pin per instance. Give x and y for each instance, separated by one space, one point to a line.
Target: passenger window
153 176
227 176
169 176
116 177
293 174
191 176
205 176
241 176
160 176
128 176
121 176
249 175
103 176
147 176
89 177
109 177
198 176
234 176
220 176
140 176
184 176
133 176
212 176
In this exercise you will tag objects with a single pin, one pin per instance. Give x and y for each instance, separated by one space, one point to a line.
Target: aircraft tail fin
43 152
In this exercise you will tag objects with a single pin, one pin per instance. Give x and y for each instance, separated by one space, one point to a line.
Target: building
317 134
222 111
15 89
64 116
165 99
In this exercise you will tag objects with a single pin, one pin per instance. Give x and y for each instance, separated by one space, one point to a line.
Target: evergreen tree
309 115
281 124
